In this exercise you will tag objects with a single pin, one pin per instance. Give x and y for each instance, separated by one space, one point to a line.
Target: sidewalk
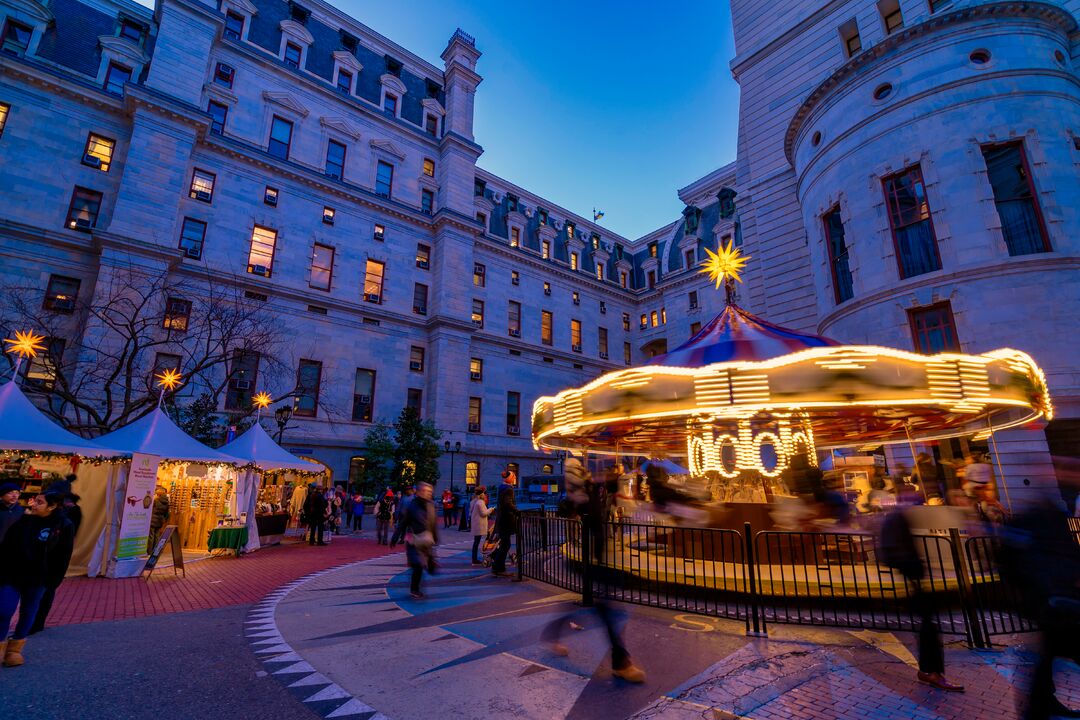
210 583
472 645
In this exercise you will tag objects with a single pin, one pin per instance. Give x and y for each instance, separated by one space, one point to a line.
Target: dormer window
393 66
133 31
349 42
511 203
569 231
299 13
891 16
595 241
234 26
344 81
432 88
16 38
390 103
479 187
116 77
431 124
293 53
652 249
542 216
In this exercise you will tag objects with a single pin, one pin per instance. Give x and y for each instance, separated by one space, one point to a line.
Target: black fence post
522 547
976 637
755 617
586 565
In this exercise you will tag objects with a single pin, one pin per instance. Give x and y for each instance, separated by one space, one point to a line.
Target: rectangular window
478 313
116 77
912 227
224 74
652 249
61 294
695 328
571 231
849 34
891 17
838 255
192 235
380 233
622 279
575 335
576 297
573 261
234 25
663 316
515 277
132 31
545 327
479 275
603 308
599 271
652 279
547 288
476 369
933 330
280 138
429 168
431 125
218 113
626 352
335 160
293 53
363 395
545 250
423 256
654 318
511 202
99 152
513 323
322 267
416 359
427 201
513 413
602 341
308 377
384 179
692 299
270 196
690 259
644 321
261 254
42 370
515 237
626 322
16 38
1014 196
474 414
936 5
163 362
390 103
177 314
344 81
84 209
373 281
479 187
4 110
328 215
415 400
419 299
202 185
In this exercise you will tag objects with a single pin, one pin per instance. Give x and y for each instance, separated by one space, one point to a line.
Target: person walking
419 529
24 568
347 511
10 509
158 516
585 500
60 556
315 514
506 522
447 508
402 504
384 513
358 507
479 513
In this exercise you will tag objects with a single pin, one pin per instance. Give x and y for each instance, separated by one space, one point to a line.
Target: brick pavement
210 583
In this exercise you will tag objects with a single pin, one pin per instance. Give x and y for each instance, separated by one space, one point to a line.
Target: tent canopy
256 447
156 434
25 428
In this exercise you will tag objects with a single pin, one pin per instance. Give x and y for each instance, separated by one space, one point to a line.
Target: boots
13 654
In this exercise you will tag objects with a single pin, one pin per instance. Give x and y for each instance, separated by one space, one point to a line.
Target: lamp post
452 452
282 415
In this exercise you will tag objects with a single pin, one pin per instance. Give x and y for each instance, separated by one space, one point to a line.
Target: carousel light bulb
261 400
168 379
26 344
727 262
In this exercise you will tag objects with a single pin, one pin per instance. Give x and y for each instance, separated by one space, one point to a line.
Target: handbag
423 541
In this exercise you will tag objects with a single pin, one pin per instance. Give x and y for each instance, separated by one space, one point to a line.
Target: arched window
513 467
547 469
472 473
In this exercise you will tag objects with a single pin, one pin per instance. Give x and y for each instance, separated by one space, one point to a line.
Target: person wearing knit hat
10 509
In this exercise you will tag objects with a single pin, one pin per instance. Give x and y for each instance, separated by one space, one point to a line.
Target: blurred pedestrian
419 529
990 512
585 500
402 504
60 556
899 551
359 507
479 513
10 509
315 515
506 522
384 514
24 567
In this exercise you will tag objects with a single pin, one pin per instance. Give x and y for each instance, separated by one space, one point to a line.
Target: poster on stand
138 506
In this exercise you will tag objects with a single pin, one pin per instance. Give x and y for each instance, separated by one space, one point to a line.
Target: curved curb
313 689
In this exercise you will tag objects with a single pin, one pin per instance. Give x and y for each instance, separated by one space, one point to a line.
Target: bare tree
115 332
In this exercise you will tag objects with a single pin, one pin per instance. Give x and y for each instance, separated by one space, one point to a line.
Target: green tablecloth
224 538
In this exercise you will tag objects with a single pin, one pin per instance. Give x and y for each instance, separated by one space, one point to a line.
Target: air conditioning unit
478 323
258 270
191 252
576 347
328 219
83 223
547 291
202 195
242 384
512 430
415 365
379 236
270 200
515 333
475 376
478 269
92 161
474 427
693 306
515 281
603 356
420 309
423 264
363 399
372 298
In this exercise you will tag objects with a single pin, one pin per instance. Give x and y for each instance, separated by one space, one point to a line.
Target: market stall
268 476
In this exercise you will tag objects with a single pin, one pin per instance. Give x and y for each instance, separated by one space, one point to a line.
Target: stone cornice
296 31
348 61
123 49
287 101
68 239
341 125
141 97
872 56
35 74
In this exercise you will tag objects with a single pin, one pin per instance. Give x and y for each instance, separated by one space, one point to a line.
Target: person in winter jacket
10 509
478 516
158 516
384 513
59 558
506 522
24 568
315 514
358 512
419 529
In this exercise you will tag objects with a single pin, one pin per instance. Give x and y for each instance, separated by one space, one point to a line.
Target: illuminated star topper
261 400
26 344
728 262
168 379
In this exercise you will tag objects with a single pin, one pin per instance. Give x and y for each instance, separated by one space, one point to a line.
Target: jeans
358 521
931 651
43 610
315 529
620 658
27 600
477 539
382 530
348 519
498 558
414 582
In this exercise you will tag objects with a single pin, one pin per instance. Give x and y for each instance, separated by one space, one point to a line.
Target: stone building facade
905 177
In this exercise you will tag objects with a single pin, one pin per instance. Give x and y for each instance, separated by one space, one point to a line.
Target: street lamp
452 451
282 415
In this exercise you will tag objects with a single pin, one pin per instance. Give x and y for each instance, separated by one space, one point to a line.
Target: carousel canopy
256 447
25 428
156 434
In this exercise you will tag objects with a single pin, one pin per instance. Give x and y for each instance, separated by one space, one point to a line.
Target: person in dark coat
419 529
506 522
158 516
59 557
384 513
10 509
24 568
315 512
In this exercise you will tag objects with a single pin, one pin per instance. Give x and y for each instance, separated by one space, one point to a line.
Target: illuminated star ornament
261 400
728 262
26 344
168 379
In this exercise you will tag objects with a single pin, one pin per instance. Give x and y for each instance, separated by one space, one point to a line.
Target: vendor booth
269 477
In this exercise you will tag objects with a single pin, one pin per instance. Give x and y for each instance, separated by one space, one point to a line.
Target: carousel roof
256 447
25 428
156 434
737 336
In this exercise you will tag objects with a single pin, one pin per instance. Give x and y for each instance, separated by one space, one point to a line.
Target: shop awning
25 428
156 434
255 447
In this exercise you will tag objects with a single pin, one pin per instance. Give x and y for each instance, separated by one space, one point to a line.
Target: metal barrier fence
807 578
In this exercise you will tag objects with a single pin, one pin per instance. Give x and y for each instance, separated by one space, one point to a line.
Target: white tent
256 450
24 427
